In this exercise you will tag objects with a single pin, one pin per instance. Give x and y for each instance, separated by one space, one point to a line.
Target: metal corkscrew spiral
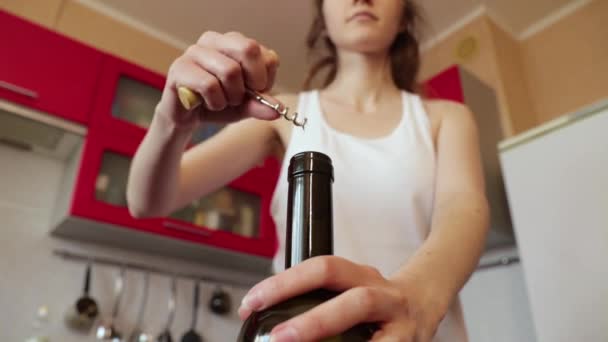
191 100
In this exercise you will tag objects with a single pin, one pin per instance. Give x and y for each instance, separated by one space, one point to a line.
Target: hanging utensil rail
504 261
140 267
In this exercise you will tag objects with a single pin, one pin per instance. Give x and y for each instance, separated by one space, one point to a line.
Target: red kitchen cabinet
231 227
46 71
127 98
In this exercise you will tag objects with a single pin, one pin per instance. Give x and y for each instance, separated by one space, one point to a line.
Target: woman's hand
219 67
404 312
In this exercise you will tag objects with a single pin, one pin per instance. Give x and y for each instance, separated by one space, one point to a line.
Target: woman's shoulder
438 107
438 110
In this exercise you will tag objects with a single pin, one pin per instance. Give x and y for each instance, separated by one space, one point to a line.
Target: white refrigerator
556 179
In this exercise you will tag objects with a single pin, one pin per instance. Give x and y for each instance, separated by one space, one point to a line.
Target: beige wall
482 63
44 12
509 61
567 63
557 70
443 55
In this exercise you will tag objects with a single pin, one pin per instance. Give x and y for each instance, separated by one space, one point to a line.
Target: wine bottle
309 234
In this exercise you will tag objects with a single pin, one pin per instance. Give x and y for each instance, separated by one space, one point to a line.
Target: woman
410 211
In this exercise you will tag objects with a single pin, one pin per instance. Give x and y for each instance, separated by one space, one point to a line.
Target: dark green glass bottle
309 234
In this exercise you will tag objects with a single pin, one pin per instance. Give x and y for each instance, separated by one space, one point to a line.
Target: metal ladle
82 315
220 302
191 335
165 335
107 330
138 335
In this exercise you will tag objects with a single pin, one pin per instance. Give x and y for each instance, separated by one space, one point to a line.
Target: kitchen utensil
191 100
220 301
138 335
81 316
107 330
165 335
191 335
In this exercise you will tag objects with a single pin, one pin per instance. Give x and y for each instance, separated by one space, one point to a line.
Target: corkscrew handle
189 98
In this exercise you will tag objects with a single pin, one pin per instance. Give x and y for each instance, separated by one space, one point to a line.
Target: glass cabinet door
111 182
135 101
128 98
226 209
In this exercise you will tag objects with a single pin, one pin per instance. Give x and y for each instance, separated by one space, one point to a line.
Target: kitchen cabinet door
46 71
128 95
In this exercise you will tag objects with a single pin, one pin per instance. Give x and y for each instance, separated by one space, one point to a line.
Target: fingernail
244 313
287 334
252 301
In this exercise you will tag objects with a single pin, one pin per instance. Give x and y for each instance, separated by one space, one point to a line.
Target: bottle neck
309 217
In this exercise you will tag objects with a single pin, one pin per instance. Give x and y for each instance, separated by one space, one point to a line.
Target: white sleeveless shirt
383 192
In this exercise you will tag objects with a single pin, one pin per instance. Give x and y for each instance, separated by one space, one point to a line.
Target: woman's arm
219 67
461 214
164 178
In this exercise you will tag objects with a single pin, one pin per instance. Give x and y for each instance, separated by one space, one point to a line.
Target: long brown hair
404 52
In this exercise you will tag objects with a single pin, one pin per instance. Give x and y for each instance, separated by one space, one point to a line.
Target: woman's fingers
360 304
202 82
397 331
271 59
247 52
227 71
328 272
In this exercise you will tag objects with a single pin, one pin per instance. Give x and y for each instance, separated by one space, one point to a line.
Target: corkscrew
191 100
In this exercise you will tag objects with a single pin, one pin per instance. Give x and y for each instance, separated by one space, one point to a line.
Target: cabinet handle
186 229
18 90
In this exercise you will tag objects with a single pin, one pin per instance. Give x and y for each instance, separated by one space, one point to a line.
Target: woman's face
363 26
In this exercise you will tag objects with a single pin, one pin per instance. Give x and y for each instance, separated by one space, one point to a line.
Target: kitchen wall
480 60
538 77
566 64
510 63
31 276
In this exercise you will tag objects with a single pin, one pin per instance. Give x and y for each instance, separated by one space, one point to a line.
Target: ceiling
283 24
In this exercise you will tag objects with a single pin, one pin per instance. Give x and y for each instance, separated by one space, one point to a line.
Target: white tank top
382 194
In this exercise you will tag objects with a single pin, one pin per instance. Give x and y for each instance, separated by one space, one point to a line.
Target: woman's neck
367 79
